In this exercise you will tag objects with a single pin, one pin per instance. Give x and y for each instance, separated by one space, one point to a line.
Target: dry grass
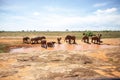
52 35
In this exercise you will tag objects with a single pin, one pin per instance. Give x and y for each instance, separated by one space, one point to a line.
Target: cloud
106 11
36 13
100 4
60 22
54 21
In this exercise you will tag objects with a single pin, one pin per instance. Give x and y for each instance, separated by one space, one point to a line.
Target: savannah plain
81 61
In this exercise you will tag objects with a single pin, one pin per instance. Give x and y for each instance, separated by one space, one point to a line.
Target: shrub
89 33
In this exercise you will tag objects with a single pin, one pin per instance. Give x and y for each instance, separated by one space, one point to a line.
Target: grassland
78 34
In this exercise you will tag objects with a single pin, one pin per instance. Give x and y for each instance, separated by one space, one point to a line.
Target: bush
89 33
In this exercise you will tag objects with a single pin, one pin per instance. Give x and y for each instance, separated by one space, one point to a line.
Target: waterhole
60 47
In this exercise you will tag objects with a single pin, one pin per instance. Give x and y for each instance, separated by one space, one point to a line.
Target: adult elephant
37 39
70 38
85 38
96 39
26 39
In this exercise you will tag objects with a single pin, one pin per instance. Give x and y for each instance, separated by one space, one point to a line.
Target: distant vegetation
53 34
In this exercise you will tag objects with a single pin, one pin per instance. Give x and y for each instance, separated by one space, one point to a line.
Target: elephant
58 40
46 44
26 39
96 39
69 38
37 39
85 39
51 44
43 43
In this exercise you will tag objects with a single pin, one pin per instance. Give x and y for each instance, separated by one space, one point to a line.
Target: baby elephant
51 44
43 43
58 40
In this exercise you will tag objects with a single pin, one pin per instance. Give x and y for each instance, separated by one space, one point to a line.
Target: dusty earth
63 62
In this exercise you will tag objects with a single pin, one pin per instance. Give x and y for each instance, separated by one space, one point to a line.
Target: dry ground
62 64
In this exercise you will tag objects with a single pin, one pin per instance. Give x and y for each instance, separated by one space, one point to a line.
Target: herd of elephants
96 39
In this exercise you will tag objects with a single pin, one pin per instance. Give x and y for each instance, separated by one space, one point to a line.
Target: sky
59 15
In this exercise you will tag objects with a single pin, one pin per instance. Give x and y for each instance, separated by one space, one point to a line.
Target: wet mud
69 47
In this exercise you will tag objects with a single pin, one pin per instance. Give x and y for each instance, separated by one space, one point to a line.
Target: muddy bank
60 65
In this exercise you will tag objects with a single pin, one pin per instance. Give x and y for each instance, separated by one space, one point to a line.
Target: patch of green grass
4 48
110 59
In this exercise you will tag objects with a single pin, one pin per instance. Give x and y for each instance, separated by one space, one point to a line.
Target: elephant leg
44 46
37 41
59 42
52 45
27 41
98 41
74 42
87 40
31 41
92 41
69 41
95 41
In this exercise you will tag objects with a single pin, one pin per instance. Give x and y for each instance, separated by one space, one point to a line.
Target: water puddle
60 47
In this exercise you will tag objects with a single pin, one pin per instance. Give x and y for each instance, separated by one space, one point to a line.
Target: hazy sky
59 15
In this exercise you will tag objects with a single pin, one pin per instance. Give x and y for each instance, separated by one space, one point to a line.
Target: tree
23 31
88 33
67 30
